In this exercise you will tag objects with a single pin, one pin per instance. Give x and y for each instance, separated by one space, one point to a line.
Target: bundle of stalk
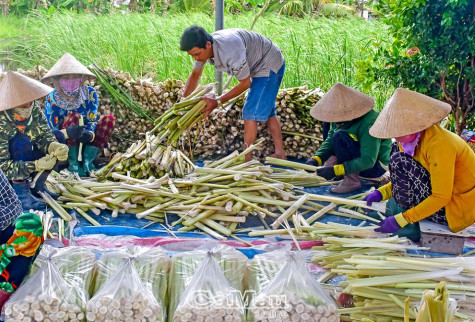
45 297
231 262
381 276
304 175
222 131
150 98
147 159
76 264
124 297
152 265
436 306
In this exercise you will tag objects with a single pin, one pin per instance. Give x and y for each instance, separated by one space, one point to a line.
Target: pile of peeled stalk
214 198
222 131
381 275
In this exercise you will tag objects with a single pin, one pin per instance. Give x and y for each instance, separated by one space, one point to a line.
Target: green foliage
433 52
336 10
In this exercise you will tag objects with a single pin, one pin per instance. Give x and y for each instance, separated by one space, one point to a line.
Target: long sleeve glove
45 163
391 225
86 137
374 196
59 150
315 161
74 131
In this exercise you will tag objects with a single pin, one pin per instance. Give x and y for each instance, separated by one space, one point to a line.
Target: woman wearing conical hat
71 111
349 150
27 145
433 173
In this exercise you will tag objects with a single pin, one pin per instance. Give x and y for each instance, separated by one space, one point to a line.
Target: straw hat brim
408 112
67 65
16 90
342 103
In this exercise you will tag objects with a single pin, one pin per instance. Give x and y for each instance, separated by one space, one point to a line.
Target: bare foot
278 156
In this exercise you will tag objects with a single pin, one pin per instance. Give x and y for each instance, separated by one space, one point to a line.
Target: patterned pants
103 132
411 184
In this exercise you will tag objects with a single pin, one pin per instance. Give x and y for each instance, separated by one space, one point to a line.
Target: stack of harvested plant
223 130
147 159
381 276
214 198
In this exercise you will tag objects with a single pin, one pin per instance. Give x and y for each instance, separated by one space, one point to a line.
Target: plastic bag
124 297
209 296
263 268
76 264
152 265
436 306
293 295
45 297
184 265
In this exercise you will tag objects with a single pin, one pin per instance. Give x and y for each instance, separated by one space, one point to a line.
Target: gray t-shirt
244 53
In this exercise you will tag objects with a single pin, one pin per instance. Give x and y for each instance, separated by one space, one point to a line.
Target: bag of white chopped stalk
152 265
184 265
45 296
293 295
76 264
436 306
125 298
263 268
210 297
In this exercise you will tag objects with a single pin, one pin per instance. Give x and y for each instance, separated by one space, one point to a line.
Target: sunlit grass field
318 52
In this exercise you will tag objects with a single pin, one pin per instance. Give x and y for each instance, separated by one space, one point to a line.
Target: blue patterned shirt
55 115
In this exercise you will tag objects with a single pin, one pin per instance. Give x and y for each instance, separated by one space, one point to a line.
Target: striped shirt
243 54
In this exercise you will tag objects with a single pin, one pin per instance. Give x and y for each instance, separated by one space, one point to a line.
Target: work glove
75 131
374 196
45 163
312 161
60 151
326 172
86 137
390 225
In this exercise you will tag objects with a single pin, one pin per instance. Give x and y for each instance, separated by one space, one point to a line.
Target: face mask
70 85
410 147
23 112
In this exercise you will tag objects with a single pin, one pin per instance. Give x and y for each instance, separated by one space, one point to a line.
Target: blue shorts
260 102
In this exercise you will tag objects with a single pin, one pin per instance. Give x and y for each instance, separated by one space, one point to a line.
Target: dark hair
194 36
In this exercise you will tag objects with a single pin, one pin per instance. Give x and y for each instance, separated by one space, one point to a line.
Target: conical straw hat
67 65
408 112
16 90
341 103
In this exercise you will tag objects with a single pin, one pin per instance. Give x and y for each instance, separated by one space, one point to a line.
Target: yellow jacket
451 164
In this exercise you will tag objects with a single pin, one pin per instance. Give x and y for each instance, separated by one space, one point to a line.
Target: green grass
318 52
